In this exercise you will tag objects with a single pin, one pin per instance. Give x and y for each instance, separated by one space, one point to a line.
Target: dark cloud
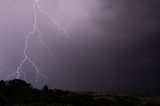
134 28
116 43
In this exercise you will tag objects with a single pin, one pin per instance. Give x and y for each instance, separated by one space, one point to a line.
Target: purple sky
112 44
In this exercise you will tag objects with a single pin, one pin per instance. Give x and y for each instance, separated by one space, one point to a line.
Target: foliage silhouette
20 93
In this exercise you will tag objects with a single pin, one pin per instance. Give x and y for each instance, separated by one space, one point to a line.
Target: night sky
113 45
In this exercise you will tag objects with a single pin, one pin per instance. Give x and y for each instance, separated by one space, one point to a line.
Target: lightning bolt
26 57
36 8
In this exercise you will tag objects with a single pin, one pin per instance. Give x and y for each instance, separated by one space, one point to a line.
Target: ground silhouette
20 93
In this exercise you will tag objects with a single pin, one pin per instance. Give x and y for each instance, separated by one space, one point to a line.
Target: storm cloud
112 44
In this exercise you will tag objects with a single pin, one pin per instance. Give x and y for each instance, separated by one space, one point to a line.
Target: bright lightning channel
36 6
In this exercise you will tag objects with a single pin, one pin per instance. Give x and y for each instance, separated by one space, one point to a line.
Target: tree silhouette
20 93
45 88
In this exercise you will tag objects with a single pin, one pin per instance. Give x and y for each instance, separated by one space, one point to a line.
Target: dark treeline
20 93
